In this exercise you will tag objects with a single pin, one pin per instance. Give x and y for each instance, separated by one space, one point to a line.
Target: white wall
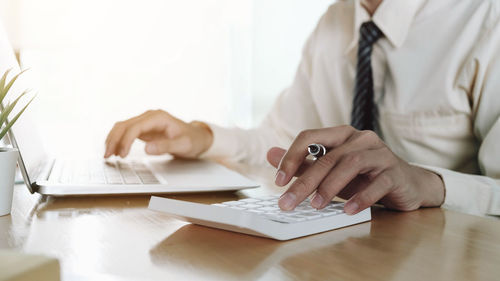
281 28
95 62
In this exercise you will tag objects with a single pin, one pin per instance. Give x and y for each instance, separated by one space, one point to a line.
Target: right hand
162 132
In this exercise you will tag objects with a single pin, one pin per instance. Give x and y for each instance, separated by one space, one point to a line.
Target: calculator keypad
268 207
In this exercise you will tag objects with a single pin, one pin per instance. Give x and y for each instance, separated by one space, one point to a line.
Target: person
404 94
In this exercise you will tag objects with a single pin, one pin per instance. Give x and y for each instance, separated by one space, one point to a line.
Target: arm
480 194
349 172
359 167
293 111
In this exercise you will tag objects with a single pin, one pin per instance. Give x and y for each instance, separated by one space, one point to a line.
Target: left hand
359 167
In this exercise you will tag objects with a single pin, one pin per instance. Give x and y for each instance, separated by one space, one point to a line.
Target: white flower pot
8 160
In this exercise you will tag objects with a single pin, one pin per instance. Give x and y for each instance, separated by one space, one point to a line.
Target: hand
162 133
358 167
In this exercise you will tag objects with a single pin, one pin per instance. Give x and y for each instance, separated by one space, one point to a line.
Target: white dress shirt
437 87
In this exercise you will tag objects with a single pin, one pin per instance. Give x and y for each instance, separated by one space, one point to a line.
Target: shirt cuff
472 194
223 145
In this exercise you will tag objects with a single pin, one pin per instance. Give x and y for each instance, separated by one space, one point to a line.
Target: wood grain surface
118 238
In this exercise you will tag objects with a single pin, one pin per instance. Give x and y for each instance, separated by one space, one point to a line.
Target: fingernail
351 208
151 148
280 178
317 201
287 201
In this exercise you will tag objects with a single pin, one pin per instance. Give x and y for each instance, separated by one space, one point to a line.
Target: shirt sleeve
293 111
472 194
480 194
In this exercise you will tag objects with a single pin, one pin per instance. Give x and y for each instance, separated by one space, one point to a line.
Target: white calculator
261 216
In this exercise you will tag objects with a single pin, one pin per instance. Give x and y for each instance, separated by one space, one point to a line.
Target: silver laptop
151 175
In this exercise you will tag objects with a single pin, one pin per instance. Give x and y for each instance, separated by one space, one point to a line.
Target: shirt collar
393 17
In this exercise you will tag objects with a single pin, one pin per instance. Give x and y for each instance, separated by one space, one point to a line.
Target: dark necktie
364 110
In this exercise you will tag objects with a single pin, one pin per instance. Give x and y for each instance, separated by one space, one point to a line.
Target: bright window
95 62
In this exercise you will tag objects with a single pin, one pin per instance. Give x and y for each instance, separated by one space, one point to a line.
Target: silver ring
316 150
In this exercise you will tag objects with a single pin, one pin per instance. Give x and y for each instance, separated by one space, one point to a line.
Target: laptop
96 176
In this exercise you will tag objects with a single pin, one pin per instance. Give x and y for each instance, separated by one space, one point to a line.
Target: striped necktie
364 110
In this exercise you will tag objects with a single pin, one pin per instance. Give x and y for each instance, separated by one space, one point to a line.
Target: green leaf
4 114
9 125
7 110
2 85
4 77
6 89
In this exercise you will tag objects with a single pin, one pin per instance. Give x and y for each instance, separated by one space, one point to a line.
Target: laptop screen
25 137
24 131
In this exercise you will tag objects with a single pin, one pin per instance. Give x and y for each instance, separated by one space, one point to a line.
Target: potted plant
8 155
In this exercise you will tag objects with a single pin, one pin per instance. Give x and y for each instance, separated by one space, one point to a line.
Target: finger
152 136
343 159
144 124
116 134
380 186
304 185
122 124
150 121
275 154
178 146
295 156
113 138
356 185
350 165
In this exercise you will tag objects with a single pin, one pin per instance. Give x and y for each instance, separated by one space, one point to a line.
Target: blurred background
95 62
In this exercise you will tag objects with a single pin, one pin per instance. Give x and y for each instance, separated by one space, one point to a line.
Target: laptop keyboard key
109 172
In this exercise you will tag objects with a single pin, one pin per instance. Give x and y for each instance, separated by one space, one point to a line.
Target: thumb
178 145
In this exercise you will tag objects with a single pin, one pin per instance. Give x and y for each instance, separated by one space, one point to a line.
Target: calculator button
289 213
305 208
270 197
310 215
296 218
249 206
269 209
233 203
336 207
327 214
249 200
279 218
266 203
255 211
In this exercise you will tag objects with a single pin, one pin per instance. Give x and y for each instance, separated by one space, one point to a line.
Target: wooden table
118 238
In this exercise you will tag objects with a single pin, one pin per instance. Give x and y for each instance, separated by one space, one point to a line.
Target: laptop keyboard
103 172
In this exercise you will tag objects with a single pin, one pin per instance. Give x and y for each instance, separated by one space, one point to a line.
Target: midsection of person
428 75
423 88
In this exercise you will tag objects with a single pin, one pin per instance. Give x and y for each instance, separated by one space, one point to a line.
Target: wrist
206 135
433 189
